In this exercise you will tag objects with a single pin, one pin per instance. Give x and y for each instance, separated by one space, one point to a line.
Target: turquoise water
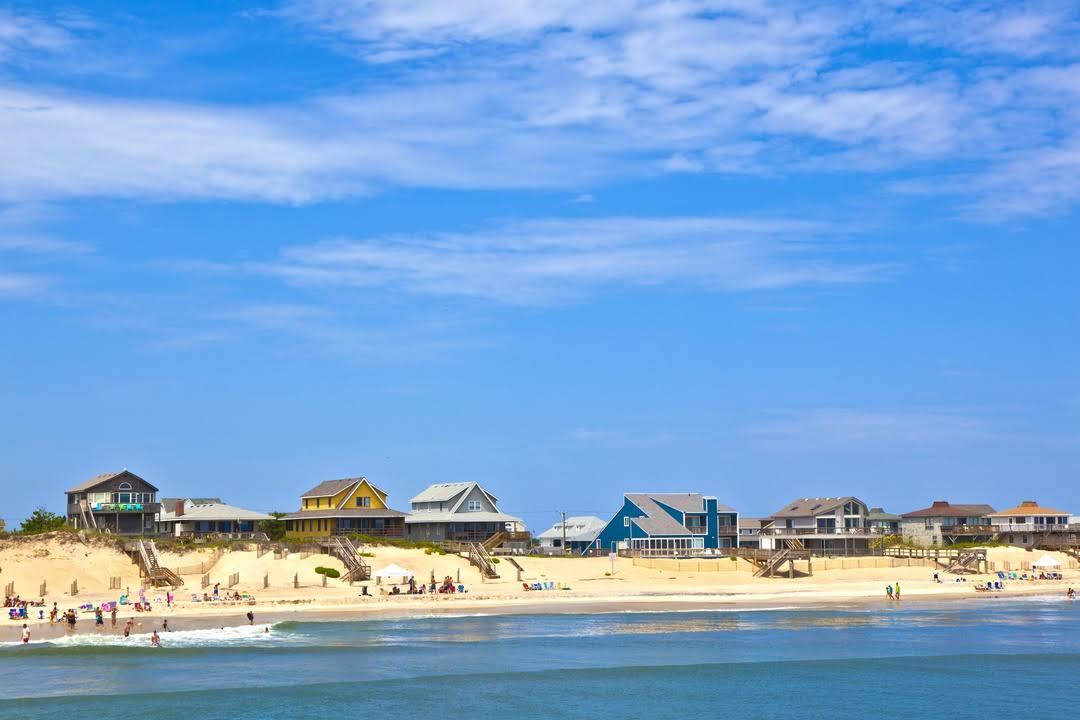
961 660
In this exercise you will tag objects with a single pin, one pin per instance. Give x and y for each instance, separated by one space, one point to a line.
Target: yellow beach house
344 507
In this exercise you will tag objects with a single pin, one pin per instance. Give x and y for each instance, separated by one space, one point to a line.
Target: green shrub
42 521
331 573
494 561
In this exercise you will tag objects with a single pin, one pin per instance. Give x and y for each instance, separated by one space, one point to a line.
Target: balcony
112 508
953 530
835 532
1036 528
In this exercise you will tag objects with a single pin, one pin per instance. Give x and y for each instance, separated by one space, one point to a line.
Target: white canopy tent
393 571
1046 561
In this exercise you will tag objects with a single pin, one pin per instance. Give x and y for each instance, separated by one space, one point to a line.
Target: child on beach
25 634
888 591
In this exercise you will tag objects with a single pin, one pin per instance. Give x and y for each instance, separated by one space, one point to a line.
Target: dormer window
125 486
475 506
363 502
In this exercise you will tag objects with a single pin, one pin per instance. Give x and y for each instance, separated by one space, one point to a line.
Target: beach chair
138 607
525 587
1001 575
461 589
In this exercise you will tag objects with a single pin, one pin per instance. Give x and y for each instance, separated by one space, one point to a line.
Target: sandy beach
635 585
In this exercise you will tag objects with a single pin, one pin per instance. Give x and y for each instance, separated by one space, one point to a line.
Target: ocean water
958 660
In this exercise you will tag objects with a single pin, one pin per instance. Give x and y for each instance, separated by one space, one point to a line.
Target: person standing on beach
155 640
250 617
165 625
897 591
888 591
25 634
216 593
113 613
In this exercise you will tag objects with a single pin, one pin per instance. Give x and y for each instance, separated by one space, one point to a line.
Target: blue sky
566 249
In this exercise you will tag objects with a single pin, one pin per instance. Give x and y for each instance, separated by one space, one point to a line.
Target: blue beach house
669 524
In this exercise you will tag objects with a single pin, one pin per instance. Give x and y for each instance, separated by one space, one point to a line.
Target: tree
41 521
274 529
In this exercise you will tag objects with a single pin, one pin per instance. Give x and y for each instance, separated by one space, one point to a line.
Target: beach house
574 536
1032 525
944 523
750 532
201 517
823 525
118 502
463 512
669 524
883 522
344 507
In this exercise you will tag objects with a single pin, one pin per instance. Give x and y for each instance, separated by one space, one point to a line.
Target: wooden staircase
85 511
965 562
481 559
770 566
355 566
150 562
794 543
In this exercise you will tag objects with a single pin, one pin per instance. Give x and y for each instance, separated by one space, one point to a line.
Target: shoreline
424 607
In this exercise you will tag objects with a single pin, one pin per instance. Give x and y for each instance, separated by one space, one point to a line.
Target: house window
626 521
124 486
363 502
474 506
928 523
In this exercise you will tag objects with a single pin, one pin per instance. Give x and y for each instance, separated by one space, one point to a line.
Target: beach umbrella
393 571
1047 561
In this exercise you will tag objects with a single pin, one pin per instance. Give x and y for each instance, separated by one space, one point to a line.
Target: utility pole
564 532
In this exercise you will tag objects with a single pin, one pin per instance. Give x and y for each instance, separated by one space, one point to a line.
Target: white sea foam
239 636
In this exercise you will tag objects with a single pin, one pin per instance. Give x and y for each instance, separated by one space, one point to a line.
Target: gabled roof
880 514
1028 507
441 492
808 507
169 504
104 477
445 492
656 520
213 510
943 508
582 528
330 488
751 523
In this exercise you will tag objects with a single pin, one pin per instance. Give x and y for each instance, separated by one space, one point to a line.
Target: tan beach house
344 507
1031 525
822 525
944 523
463 512
116 502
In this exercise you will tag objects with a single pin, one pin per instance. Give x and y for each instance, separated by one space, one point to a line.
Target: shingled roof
104 477
804 507
943 508
1029 507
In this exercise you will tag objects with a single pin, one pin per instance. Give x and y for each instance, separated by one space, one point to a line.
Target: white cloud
15 284
570 94
20 32
850 429
557 260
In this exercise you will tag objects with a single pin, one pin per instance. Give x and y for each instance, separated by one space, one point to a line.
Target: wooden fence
74 587
43 589
114 583
203 567
9 589
234 580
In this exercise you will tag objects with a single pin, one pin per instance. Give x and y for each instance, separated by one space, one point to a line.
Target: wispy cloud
556 260
570 94
852 429
22 285
24 32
